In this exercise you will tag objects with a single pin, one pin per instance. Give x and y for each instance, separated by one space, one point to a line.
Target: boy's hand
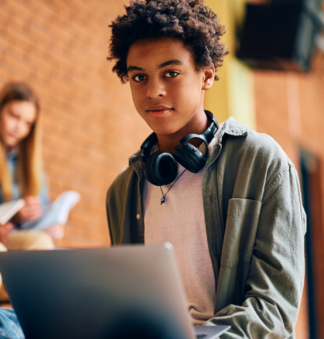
31 210
4 231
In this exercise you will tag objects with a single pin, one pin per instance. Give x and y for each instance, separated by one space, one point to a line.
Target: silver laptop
119 292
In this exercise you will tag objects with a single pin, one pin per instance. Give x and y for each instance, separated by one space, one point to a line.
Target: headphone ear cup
192 160
161 169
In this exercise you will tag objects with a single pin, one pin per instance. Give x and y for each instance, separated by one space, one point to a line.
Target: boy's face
167 89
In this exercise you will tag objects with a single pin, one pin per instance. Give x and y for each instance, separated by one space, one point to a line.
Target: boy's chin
165 131
164 126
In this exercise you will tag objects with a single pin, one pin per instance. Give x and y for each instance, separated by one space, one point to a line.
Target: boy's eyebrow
171 62
167 63
134 68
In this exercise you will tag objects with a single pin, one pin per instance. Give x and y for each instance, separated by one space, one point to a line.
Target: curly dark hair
195 24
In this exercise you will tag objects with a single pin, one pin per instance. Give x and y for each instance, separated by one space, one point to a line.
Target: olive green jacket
255 225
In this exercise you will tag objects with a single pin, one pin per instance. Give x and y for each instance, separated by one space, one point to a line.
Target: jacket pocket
240 231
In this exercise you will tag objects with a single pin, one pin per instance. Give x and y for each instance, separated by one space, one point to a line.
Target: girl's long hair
29 165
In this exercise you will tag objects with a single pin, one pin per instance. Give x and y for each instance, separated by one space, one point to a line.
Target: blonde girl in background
21 174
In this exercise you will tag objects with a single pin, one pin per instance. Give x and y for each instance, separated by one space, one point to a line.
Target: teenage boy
237 225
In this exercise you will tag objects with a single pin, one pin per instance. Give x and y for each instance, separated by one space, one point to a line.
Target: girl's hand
56 231
4 231
31 210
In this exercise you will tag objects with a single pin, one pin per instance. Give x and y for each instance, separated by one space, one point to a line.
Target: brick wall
90 126
290 108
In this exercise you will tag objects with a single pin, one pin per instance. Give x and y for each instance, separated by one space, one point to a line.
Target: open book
55 213
9 209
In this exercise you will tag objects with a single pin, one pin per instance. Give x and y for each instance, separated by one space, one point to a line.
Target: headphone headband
208 135
148 144
212 129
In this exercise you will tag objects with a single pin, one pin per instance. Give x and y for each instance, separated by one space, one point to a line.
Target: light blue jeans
9 325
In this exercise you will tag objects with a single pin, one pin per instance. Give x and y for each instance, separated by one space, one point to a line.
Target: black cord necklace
163 199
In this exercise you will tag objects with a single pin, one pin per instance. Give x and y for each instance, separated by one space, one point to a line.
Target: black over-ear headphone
161 168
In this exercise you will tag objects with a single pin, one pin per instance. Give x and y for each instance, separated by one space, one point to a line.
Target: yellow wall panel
233 94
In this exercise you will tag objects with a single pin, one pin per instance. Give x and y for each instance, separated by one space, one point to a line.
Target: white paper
9 209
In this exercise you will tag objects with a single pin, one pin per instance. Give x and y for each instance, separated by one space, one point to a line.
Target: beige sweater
180 221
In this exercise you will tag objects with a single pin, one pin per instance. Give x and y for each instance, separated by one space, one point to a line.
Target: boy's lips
158 111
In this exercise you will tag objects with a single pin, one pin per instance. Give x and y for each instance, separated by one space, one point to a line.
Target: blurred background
272 81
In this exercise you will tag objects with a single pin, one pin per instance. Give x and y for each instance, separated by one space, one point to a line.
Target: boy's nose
155 90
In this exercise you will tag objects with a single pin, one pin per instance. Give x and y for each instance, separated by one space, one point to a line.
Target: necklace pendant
163 200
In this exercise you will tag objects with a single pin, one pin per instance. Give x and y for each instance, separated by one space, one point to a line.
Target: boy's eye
139 78
171 74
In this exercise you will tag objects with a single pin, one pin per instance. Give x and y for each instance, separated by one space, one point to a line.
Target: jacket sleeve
276 276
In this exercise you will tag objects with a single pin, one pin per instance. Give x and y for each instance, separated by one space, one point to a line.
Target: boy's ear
209 77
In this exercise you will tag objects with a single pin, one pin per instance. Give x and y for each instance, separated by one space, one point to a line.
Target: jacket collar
230 127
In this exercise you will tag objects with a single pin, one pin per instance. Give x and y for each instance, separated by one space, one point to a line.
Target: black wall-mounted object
280 35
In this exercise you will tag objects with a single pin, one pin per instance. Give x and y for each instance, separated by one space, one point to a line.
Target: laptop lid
119 292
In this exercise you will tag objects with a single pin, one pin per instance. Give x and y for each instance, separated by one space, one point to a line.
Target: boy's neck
197 125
